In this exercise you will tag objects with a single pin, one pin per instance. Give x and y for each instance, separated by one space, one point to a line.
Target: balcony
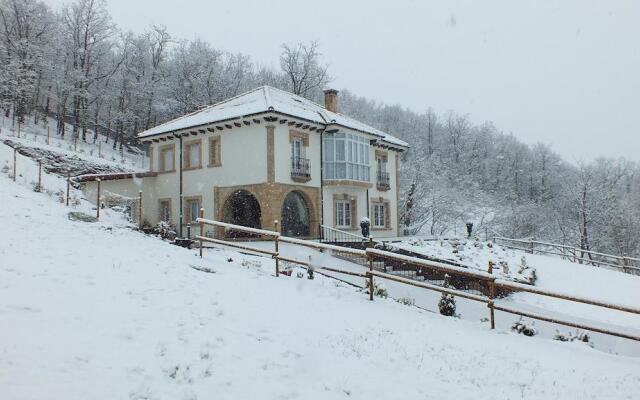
300 171
382 181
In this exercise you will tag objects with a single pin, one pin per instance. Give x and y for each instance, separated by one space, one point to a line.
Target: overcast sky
566 73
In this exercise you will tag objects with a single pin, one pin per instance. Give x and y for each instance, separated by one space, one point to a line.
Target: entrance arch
241 208
295 215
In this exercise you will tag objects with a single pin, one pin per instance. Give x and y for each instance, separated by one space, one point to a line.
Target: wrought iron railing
382 181
300 167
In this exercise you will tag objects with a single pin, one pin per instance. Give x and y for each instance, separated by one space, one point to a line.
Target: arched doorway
241 208
295 215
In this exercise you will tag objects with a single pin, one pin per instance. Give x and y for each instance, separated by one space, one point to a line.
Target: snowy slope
100 153
97 310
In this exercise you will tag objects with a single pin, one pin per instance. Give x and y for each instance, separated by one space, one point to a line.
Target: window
297 148
166 158
192 155
165 210
192 209
215 159
343 213
346 156
382 176
378 216
381 165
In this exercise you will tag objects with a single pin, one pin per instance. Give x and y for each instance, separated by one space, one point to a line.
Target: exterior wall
256 158
127 188
243 158
271 197
282 152
360 190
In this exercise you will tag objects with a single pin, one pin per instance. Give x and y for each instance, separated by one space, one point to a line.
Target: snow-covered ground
36 136
98 310
473 253
553 274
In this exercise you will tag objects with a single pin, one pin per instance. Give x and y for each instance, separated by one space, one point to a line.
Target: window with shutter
165 210
379 215
343 213
192 209
192 154
167 158
215 159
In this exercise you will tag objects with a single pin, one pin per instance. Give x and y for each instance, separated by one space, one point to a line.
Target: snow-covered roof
265 99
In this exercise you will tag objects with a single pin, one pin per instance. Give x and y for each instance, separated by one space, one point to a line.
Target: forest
75 65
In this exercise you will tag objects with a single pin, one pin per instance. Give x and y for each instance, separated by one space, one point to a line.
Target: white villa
263 156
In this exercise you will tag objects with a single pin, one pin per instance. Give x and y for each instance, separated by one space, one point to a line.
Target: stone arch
296 214
241 208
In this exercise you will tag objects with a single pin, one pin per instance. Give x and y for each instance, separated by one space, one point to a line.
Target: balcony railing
300 168
382 181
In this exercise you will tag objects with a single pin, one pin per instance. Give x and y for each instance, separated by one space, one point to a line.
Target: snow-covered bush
407 301
166 230
447 303
570 337
378 289
60 196
523 328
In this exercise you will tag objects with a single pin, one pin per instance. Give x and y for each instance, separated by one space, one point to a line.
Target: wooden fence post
68 187
39 176
98 198
201 215
492 293
15 157
18 129
370 257
531 246
140 209
277 244
625 263
100 148
48 134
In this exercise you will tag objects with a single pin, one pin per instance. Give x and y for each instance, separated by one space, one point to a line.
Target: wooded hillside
75 65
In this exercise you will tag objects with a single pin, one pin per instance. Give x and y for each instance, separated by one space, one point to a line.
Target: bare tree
88 29
301 64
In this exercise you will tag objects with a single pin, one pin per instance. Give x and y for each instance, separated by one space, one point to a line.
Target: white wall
361 194
244 162
283 156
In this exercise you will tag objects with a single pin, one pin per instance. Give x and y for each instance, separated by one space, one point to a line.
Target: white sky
566 73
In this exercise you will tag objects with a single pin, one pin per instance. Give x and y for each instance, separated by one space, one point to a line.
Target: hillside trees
303 69
25 27
73 64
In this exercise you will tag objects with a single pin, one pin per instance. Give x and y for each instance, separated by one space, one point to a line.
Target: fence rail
485 287
629 265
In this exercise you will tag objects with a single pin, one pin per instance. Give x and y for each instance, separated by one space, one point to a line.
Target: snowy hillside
98 310
41 140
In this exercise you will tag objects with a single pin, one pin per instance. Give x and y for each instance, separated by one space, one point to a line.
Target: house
263 156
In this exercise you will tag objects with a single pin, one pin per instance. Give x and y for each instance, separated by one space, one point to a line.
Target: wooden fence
376 269
629 265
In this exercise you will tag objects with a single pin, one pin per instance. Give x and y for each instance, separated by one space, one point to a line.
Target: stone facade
270 197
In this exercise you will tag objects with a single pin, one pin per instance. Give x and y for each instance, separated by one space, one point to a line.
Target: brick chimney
331 100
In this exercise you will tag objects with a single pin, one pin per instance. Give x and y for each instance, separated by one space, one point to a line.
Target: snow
472 253
263 99
100 311
35 136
